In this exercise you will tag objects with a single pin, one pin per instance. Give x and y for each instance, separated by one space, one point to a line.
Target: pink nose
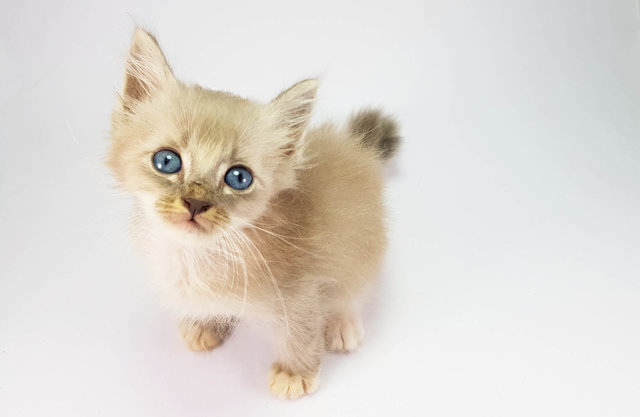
196 207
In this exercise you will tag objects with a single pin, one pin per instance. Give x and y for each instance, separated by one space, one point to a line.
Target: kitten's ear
147 70
293 110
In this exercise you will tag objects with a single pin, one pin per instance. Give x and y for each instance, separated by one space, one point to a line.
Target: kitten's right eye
167 161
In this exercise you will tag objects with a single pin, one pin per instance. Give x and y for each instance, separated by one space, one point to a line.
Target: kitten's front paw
343 333
290 386
201 337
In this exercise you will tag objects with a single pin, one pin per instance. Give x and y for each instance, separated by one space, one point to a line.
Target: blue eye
238 178
167 161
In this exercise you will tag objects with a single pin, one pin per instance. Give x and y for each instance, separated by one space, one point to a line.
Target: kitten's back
343 186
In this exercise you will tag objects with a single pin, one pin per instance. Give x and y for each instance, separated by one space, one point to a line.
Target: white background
511 286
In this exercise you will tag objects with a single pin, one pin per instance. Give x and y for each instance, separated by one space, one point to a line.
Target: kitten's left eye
167 161
238 178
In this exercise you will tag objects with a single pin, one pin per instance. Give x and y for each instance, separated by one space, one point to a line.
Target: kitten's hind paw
290 386
203 336
343 333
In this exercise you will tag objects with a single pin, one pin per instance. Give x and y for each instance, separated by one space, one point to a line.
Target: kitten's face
199 160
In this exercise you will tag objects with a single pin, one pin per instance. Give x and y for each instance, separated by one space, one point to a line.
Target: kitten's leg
295 372
201 336
343 331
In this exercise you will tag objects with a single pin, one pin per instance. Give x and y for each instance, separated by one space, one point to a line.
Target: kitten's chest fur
197 282
218 281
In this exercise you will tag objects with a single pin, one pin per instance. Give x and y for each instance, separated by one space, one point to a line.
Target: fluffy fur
297 250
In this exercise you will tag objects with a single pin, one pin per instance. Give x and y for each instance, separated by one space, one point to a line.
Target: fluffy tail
375 131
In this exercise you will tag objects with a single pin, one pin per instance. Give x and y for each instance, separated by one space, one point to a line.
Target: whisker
244 273
255 251
280 237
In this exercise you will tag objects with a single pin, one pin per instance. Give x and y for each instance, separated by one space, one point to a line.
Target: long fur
376 131
298 250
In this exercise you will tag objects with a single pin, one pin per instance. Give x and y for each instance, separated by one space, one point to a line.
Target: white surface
511 286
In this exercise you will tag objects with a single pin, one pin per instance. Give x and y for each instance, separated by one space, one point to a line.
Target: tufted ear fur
292 109
146 70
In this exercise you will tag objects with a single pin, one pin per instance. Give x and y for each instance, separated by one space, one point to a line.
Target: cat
244 213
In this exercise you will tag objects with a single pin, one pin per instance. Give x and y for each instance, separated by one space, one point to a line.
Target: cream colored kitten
246 214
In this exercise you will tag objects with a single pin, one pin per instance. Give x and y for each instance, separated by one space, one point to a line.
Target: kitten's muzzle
195 206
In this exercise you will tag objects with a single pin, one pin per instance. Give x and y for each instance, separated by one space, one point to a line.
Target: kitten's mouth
205 222
190 224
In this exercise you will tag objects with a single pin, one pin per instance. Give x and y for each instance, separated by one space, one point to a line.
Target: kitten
246 213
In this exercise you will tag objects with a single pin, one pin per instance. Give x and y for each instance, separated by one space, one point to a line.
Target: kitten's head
199 160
